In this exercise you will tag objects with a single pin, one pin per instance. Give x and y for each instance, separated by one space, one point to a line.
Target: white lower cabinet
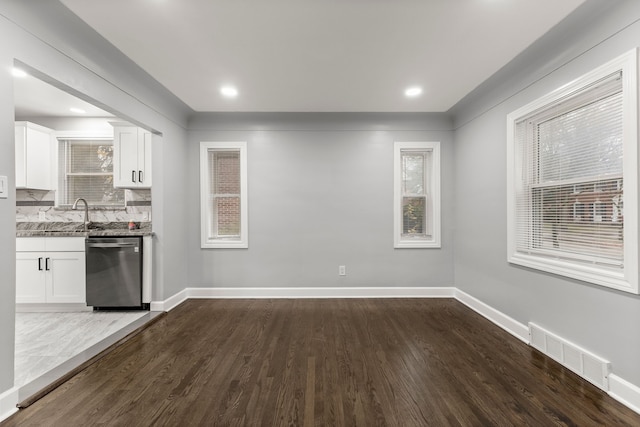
50 270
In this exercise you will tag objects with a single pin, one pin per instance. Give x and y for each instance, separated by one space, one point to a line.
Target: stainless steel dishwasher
114 272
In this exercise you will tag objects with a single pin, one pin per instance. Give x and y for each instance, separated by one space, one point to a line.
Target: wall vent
589 366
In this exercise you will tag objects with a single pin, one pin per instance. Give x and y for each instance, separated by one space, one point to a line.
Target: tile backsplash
32 204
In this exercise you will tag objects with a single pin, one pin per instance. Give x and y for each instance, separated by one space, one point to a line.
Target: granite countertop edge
74 229
41 233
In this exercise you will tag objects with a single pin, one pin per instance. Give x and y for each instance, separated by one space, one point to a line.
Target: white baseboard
171 302
262 293
8 402
624 392
507 323
359 292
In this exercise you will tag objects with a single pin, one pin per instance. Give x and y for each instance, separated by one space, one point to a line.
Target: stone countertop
76 229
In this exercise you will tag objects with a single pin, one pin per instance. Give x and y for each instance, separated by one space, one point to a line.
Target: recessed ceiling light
17 72
229 91
413 91
77 110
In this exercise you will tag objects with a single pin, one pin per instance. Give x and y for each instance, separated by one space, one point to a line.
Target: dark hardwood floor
356 362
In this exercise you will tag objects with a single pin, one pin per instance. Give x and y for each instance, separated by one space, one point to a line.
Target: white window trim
625 278
212 243
433 177
75 135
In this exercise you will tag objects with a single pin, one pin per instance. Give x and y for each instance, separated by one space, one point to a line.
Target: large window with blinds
417 195
86 170
223 194
573 179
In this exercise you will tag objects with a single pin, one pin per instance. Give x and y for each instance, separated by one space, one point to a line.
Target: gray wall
603 321
320 195
54 44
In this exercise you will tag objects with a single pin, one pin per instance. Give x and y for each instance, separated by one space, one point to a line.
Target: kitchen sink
93 226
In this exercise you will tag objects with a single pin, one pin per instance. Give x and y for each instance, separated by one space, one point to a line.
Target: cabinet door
65 277
125 157
34 151
39 160
21 156
144 159
30 277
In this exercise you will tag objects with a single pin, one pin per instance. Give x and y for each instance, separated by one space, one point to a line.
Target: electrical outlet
342 270
42 216
145 216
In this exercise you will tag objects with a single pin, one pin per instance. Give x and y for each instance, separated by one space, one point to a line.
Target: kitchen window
572 179
417 195
223 194
86 170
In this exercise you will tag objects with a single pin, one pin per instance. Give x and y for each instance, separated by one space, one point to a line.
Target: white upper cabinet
131 157
35 148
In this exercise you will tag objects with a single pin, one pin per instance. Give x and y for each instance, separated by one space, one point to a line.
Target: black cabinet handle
46 264
139 176
40 264
133 176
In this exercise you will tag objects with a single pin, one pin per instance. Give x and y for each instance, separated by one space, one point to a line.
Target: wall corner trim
170 303
8 402
507 323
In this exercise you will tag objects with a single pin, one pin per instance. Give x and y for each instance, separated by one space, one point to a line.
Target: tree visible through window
414 196
86 170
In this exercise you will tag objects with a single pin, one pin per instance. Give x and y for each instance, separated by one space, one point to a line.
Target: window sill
613 278
417 244
224 244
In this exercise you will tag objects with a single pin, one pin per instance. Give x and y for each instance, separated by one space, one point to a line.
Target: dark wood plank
362 362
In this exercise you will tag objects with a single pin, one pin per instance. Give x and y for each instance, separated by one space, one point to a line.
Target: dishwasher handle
111 245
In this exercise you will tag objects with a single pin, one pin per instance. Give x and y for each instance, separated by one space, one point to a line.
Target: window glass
86 170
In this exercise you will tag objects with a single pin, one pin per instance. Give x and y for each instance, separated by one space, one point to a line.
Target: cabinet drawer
30 244
65 244
51 244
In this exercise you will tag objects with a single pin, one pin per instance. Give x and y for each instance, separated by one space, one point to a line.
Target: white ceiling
321 55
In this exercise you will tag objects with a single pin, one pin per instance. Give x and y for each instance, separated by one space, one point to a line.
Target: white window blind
573 179
570 202
86 170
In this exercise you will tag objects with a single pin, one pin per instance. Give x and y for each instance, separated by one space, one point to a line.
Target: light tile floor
44 341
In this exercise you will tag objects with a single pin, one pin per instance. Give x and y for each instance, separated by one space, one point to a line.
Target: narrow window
417 194
572 161
223 194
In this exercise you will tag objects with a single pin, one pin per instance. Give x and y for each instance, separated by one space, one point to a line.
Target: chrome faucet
86 211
